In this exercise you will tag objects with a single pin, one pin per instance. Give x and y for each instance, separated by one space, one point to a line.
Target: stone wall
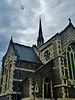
8 66
25 91
53 73
37 79
5 97
71 92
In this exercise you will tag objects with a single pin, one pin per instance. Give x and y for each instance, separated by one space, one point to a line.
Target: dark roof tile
27 53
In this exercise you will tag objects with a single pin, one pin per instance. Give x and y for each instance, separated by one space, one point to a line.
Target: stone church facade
42 72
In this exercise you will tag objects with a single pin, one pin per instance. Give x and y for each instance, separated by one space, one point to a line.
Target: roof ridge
70 24
22 45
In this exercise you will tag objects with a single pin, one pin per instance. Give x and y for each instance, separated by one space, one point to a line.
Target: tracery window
47 55
71 60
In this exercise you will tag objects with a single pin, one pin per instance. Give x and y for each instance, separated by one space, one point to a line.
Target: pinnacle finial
69 20
40 19
40 26
11 38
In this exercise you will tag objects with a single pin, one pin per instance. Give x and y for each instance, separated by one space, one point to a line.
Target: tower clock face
47 55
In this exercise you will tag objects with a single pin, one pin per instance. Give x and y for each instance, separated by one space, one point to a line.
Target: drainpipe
18 78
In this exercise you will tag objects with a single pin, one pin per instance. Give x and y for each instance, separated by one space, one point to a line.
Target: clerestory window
71 60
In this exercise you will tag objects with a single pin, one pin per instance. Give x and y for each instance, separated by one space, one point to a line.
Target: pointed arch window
47 89
71 60
36 91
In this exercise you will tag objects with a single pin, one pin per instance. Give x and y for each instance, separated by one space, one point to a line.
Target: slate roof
26 53
70 24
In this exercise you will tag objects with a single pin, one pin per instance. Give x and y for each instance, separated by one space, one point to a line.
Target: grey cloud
22 24
3 43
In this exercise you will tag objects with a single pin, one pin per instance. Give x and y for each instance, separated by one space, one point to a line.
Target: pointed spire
40 27
40 39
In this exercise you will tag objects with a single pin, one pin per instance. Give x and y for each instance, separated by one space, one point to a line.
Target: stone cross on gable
69 20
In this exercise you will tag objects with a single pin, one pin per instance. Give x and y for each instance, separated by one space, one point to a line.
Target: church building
45 71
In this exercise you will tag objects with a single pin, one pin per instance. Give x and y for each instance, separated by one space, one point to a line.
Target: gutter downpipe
18 78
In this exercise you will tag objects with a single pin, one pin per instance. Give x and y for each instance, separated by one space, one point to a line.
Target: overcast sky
23 24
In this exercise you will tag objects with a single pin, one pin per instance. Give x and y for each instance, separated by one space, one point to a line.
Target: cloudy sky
23 24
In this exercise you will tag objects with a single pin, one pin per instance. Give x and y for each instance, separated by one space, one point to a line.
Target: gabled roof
26 53
69 25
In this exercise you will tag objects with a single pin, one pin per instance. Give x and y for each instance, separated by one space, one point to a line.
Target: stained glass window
47 55
71 60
